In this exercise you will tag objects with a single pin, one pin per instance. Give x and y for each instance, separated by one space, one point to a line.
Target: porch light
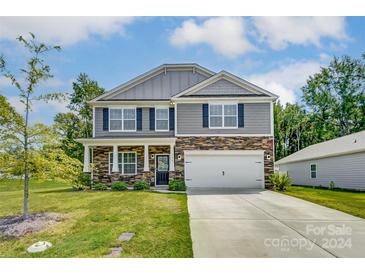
179 157
152 156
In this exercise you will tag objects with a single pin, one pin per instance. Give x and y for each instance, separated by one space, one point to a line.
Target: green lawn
346 201
96 219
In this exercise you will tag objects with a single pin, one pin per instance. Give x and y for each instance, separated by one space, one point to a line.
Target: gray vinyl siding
162 86
223 87
346 171
256 120
99 132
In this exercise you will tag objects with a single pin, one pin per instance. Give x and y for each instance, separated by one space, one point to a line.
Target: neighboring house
183 121
341 161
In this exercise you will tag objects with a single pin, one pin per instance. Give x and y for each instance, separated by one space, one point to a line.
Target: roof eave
282 161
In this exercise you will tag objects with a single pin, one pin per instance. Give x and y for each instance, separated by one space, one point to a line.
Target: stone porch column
146 166
86 158
115 159
172 158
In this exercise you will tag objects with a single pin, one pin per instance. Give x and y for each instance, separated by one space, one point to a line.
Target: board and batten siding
346 171
256 120
162 86
223 87
99 132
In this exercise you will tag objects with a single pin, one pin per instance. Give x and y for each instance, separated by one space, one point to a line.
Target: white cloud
226 35
62 30
280 31
287 79
39 107
4 82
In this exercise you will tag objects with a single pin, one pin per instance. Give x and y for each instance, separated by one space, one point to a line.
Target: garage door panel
224 170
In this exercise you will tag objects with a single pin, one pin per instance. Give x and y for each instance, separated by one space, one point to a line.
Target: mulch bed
16 226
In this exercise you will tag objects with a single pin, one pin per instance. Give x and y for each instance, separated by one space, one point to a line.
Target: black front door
162 170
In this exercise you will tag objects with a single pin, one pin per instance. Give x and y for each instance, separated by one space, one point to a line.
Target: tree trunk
26 164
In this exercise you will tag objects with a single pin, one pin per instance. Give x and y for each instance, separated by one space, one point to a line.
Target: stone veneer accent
224 143
100 156
101 164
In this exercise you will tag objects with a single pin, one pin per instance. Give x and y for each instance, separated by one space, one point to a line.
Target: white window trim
122 163
123 130
310 170
223 104
168 119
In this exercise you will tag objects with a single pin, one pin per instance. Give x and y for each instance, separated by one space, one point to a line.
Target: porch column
146 159
115 159
86 158
172 158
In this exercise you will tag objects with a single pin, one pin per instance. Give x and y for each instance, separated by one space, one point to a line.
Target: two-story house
183 121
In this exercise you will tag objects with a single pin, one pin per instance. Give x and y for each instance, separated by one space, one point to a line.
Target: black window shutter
241 116
139 118
205 115
105 119
172 118
152 118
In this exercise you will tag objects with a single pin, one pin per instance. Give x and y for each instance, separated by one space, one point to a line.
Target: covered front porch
130 159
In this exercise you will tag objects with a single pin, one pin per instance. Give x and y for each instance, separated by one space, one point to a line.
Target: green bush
177 185
280 182
332 185
119 186
82 182
140 185
100 186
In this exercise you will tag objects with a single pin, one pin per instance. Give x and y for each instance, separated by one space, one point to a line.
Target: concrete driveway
262 223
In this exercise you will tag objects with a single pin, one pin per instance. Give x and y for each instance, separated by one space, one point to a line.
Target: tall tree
84 90
291 125
336 98
34 71
68 126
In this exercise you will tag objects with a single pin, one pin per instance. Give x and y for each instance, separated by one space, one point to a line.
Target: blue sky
276 53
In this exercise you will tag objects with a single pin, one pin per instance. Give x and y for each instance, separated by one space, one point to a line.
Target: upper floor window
313 171
162 119
122 119
223 116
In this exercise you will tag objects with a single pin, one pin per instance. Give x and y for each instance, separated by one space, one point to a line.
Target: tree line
332 105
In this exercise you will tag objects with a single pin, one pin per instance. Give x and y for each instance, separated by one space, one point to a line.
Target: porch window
127 163
122 119
223 116
162 119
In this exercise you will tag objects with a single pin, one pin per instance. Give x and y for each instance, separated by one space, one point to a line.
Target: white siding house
341 161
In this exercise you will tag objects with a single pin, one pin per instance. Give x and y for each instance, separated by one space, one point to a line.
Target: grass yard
346 201
94 220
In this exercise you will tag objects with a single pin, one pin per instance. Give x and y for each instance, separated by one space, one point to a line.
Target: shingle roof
344 145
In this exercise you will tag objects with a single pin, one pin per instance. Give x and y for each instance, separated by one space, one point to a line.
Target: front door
162 170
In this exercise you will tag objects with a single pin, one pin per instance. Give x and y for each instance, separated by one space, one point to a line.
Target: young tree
35 71
84 90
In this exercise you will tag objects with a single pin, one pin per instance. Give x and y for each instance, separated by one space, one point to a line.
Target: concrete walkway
261 223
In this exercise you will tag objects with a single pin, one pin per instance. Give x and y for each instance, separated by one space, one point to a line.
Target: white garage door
224 169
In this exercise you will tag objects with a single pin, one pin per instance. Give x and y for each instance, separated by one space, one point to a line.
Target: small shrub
280 182
140 185
82 182
119 186
177 185
100 187
332 185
